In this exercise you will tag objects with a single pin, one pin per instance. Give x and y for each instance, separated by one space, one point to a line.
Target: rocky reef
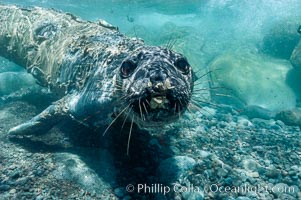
196 158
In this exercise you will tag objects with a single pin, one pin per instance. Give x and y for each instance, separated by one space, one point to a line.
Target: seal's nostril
157 76
159 87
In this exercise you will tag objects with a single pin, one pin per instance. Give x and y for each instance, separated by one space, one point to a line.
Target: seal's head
157 85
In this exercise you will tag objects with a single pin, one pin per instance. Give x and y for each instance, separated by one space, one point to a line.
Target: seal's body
94 71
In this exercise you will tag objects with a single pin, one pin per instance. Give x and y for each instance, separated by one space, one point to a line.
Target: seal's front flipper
41 123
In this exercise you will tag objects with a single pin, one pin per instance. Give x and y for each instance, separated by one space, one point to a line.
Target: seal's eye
127 68
182 65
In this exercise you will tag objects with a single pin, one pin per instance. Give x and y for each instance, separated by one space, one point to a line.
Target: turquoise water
204 30
201 28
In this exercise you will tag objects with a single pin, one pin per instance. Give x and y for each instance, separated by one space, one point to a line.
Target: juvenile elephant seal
97 74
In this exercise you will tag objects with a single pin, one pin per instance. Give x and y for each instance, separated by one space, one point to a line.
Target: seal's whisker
210 88
223 95
145 108
202 96
201 109
180 115
206 102
129 138
202 76
179 110
114 120
124 97
199 70
207 111
125 118
175 108
201 82
197 107
180 101
140 110
147 102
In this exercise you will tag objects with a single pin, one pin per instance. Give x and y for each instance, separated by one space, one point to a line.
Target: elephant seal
97 74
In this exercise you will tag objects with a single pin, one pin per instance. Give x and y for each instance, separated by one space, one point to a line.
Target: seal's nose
157 76
159 87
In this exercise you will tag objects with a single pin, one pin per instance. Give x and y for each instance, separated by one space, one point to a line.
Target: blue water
202 31
208 25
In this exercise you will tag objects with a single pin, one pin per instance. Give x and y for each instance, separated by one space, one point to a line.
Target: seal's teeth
158 100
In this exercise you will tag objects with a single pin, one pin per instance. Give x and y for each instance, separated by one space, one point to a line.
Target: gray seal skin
97 74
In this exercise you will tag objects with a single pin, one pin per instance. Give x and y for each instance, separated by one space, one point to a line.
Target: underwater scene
163 100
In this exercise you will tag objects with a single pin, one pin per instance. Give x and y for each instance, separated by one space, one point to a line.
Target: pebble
12 191
280 123
173 168
260 122
253 159
4 187
250 164
22 181
276 127
15 174
39 197
243 198
243 122
202 153
272 173
253 174
222 172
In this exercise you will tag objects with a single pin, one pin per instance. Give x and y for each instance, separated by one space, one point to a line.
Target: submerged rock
290 117
257 112
173 168
281 39
71 167
11 82
296 57
250 164
253 80
8 66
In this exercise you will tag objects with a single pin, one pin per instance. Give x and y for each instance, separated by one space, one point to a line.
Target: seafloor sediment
215 150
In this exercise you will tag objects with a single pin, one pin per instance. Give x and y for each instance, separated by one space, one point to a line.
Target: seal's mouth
156 108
